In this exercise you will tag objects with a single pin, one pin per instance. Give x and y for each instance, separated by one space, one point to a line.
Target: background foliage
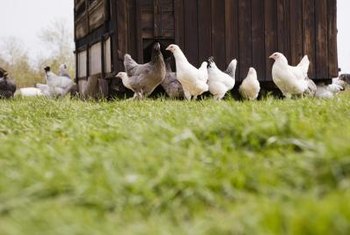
56 48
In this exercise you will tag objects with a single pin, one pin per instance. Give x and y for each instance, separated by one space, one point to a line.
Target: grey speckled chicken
344 80
7 86
144 78
171 85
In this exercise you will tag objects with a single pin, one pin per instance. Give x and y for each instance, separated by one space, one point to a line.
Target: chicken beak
168 48
271 56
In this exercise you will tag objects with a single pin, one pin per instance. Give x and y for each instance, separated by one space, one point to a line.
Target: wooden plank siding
258 38
249 30
296 28
271 42
204 30
309 35
191 36
321 39
179 22
333 69
218 32
245 37
132 31
231 31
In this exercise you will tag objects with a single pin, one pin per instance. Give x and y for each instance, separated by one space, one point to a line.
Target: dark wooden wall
137 24
249 30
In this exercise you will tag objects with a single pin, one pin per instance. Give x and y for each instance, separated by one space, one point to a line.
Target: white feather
193 80
291 80
59 85
29 92
250 86
219 82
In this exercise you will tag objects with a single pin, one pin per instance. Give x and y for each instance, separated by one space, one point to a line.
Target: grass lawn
175 167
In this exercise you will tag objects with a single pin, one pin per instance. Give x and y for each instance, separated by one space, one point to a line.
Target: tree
15 59
12 50
58 39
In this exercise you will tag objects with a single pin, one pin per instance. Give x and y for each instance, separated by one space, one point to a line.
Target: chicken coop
249 30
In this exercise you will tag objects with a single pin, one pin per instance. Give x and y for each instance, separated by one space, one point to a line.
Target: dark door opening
148 45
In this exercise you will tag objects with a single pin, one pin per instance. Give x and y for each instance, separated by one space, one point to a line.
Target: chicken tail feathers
304 64
231 69
129 63
311 88
211 61
168 65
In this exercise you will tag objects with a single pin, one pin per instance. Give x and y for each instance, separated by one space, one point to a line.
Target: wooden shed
249 30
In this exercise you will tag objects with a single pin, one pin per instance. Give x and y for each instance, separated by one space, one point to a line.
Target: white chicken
45 89
29 92
128 83
221 82
329 91
193 80
63 71
324 92
292 80
59 85
250 86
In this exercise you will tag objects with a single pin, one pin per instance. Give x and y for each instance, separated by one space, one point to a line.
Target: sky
343 35
24 19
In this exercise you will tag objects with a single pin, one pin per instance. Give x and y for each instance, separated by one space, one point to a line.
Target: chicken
29 92
146 77
343 80
128 82
292 80
329 91
3 72
7 88
7 85
44 88
345 77
231 68
193 80
311 88
89 88
59 85
325 92
220 82
171 85
335 88
250 86
50 92
63 71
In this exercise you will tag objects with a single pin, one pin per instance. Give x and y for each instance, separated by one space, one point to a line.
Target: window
95 59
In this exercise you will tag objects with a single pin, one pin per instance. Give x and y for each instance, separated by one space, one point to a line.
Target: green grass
174 167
